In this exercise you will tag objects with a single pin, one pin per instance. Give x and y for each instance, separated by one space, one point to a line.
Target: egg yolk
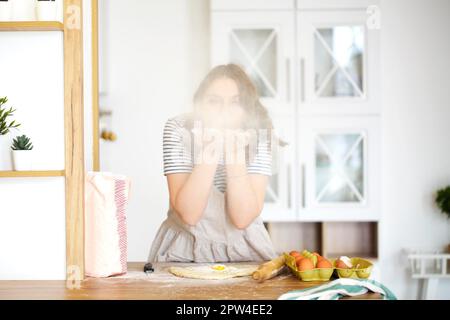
219 267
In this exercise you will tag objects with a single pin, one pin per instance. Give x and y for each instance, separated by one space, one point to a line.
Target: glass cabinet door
256 51
341 167
337 73
262 44
339 62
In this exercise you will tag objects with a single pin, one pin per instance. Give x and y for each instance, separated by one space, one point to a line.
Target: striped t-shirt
177 160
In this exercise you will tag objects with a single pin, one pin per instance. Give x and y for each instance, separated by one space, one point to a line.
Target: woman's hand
235 146
208 146
219 130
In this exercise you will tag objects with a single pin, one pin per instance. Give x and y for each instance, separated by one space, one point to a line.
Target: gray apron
213 239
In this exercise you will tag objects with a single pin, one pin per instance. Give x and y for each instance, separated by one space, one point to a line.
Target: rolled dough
213 272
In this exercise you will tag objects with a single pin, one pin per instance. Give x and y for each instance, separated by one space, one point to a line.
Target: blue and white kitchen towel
339 288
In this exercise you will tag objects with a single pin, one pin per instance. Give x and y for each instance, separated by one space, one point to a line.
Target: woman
217 190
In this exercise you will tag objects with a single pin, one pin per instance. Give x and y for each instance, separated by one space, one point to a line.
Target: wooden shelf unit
355 239
6 26
288 236
31 26
73 129
32 174
331 239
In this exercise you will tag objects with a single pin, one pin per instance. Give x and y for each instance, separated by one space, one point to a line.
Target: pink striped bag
105 224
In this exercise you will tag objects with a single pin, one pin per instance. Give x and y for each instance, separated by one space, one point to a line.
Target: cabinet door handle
288 80
302 79
289 186
303 186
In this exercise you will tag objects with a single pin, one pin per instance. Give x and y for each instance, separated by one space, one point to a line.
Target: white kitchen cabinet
339 168
316 67
338 58
234 5
331 4
262 43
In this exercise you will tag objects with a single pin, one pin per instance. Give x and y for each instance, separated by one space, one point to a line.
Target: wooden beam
31 26
32 174
95 89
74 137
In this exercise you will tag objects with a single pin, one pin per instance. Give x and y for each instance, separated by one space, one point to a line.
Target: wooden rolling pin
269 269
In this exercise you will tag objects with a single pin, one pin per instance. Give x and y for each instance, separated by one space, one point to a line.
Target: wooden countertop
160 285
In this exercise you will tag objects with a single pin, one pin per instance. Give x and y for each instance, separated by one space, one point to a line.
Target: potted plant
5 128
5 10
443 203
22 155
443 200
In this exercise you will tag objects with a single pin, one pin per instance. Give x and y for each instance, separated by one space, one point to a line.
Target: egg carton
361 270
322 274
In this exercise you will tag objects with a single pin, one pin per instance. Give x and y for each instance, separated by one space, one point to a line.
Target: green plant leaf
4 114
22 143
443 200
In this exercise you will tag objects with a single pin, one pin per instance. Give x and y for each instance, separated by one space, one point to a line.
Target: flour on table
213 272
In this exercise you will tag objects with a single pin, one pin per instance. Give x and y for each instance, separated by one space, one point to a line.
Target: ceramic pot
22 160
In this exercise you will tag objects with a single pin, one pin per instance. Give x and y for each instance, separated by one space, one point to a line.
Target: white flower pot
5 10
23 10
46 10
22 160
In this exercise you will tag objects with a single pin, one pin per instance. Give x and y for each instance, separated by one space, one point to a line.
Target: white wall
416 131
32 229
32 214
145 78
